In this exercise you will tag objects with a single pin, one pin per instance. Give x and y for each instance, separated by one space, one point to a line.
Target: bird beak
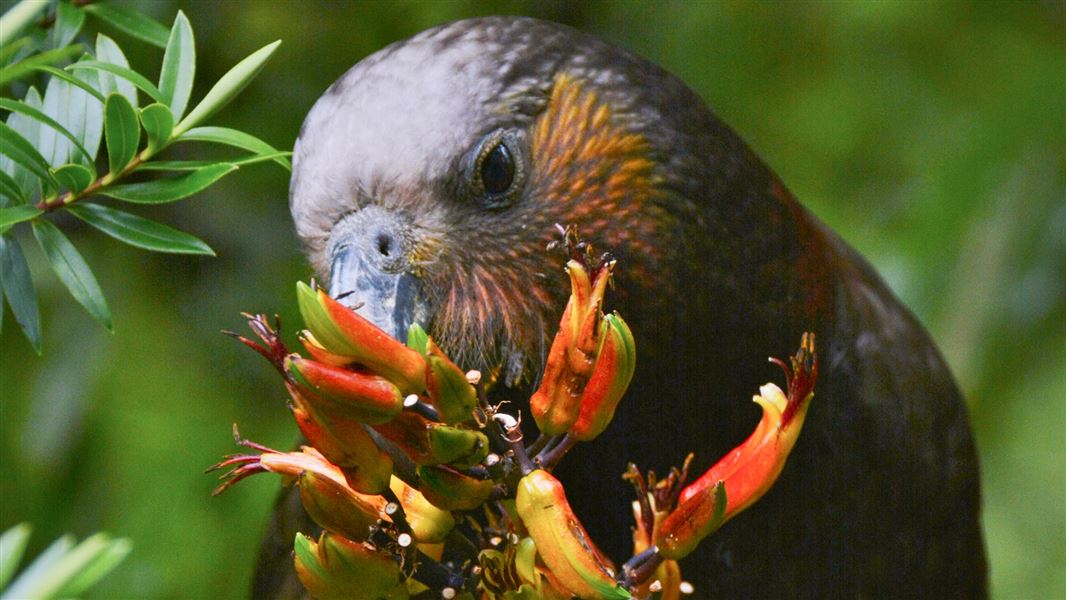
369 271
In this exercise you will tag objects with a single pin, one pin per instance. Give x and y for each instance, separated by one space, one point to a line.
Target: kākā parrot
427 183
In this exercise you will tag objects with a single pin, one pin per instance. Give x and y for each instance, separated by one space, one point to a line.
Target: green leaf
417 338
4 203
9 50
71 79
232 137
21 107
22 152
10 189
72 270
108 51
280 157
12 545
192 165
18 289
74 177
38 573
139 232
19 17
122 132
83 568
64 570
169 190
18 214
28 65
130 22
176 165
64 103
227 87
27 182
179 66
67 23
158 123
128 74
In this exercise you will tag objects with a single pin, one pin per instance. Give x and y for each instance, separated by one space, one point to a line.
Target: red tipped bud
345 443
410 432
344 333
338 508
319 352
615 364
368 398
557 402
742 477
751 468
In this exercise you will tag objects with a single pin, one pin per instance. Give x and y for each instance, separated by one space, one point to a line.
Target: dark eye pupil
497 170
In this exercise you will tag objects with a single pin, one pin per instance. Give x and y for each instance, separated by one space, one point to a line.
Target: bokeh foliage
930 135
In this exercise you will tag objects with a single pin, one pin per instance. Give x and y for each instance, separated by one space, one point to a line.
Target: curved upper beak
370 272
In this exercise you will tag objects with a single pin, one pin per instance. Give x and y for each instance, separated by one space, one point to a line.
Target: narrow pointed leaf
23 153
83 568
19 17
37 574
130 22
9 50
17 214
80 113
227 87
179 66
21 107
108 51
27 181
138 231
74 177
158 122
70 569
10 189
125 73
12 545
169 190
18 289
72 270
176 165
121 130
28 65
91 107
192 165
55 148
56 101
67 24
232 137
71 79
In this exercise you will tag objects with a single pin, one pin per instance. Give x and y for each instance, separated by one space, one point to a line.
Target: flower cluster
423 487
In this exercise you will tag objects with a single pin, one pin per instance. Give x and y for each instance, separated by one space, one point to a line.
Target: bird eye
497 170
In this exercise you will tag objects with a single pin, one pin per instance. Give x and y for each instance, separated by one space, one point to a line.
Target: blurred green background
931 135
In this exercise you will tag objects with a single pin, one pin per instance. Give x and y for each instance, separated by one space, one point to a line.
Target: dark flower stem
549 457
639 568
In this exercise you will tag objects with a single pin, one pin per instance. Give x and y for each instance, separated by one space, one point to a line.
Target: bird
430 179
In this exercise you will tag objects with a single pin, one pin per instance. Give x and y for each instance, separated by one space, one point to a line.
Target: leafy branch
49 144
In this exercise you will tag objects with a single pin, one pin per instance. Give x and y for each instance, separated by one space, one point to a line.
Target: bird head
428 181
